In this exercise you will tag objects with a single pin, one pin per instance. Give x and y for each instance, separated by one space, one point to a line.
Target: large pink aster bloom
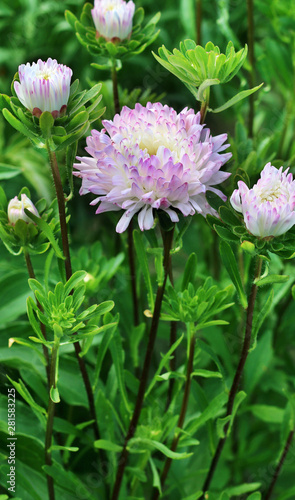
152 158
113 18
44 86
268 208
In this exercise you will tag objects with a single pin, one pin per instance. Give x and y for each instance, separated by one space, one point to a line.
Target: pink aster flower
44 86
268 208
16 209
152 158
113 18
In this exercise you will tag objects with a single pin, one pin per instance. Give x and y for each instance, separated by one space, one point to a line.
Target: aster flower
267 208
44 86
152 158
16 209
113 18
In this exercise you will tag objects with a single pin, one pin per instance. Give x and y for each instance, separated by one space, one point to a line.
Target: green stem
280 465
68 269
50 417
205 105
173 337
184 405
42 327
61 209
237 377
167 242
250 10
132 268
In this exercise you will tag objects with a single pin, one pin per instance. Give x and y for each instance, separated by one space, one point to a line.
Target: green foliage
200 68
60 308
197 305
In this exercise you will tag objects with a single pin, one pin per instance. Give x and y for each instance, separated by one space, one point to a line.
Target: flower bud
113 18
16 209
44 86
267 208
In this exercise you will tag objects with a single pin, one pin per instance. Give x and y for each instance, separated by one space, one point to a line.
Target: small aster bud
267 208
16 209
113 18
44 86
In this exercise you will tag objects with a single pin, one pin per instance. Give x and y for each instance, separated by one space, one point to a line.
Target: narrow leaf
231 266
237 98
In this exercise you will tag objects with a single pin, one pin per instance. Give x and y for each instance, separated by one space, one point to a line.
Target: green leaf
237 98
8 171
142 259
156 477
106 339
254 496
231 266
201 96
225 234
63 448
46 122
54 394
189 271
268 413
73 281
272 278
146 444
163 362
211 411
242 488
206 374
47 231
259 317
103 444
18 125
118 357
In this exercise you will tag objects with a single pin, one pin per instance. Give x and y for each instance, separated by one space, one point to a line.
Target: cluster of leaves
59 310
107 51
34 237
199 306
199 68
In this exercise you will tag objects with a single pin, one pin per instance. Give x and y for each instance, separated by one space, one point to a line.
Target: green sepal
46 122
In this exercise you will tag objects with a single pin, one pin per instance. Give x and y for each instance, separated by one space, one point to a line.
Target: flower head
268 208
16 209
44 86
113 18
153 158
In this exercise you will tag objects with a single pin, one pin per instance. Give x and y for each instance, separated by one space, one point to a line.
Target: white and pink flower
44 86
152 158
16 209
113 18
267 208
